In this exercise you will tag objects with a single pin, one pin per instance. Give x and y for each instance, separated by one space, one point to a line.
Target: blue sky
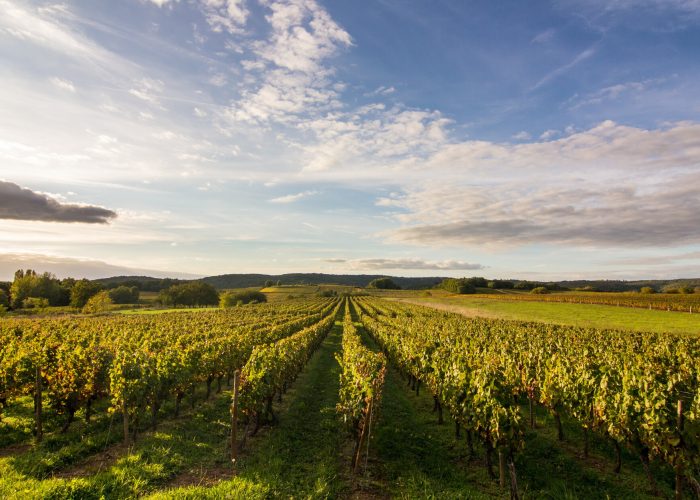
544 140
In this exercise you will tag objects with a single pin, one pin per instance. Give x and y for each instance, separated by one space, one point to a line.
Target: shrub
461 286
99 302
231 299
195 293
685 290
384 284
647 290
124 295
35 303
539 290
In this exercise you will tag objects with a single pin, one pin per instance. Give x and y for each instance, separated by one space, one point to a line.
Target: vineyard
309 397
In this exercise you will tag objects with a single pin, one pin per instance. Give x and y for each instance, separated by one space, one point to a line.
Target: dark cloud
664 216
19 203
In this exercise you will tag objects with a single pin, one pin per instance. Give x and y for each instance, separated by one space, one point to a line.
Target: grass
584 315
299 457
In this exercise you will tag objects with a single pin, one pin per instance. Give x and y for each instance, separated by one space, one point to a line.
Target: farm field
584 315
304 445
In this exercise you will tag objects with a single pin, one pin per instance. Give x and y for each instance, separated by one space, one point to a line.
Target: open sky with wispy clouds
544 139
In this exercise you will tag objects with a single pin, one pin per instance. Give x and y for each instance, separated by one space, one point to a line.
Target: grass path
300 457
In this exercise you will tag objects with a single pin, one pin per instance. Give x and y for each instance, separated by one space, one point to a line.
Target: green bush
99 302
384 284
539 290
647 290
460 286
231 299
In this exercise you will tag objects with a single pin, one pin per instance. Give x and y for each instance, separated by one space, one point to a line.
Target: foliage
624 385
100 302
384 284
231 299
124 294
500 284
30 284
647 290
361 380
195 293
4 298
540 290
35 303
82 291
457 285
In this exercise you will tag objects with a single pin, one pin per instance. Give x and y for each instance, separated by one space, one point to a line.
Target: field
326 389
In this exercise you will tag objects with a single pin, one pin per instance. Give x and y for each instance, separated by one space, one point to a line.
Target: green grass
584 315
300 456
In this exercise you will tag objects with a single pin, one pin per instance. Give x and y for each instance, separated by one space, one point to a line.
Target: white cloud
608 186
522 136
291 198
63 84
582 56
406 264
544 36
149 90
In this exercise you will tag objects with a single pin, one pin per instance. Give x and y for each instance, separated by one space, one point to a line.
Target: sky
540 140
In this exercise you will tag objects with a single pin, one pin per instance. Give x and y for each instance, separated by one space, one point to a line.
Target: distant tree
195 293
647 290
477 281
82 291
269 283
124 294
696 289
461 286
231 299
100 302
4 299
35 303
279 283
384 284
524 285
500 284
685 289
539 290
30 284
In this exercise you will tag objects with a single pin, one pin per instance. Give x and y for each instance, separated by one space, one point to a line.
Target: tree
124 295
195 293
500 284
82 291
539 290
30 284
525 285
99 302
35 303
647 290
4 298
231 299
461 286
384 284
269 283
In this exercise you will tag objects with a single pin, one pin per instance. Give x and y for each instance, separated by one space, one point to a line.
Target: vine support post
679 465
38 405
125 420
501 468
234 418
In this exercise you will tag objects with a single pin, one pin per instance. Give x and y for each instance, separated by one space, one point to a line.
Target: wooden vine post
125 420
679 465
38 404
234 418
